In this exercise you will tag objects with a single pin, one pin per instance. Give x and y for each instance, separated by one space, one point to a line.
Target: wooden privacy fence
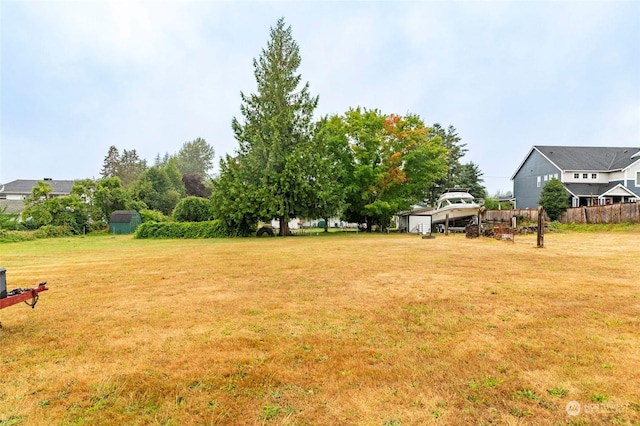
612 213
529 215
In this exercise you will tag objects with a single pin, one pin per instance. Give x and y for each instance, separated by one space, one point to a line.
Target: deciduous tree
195 157
194 186
160 188
388 161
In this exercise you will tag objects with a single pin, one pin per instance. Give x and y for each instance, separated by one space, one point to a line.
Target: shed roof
122 216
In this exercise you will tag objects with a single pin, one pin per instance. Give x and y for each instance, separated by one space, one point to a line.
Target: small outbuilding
124 221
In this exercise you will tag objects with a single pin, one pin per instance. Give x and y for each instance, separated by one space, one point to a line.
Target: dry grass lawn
327 330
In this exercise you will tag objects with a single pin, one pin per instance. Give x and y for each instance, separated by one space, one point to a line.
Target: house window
594 176
576 175
637 178
546 178
538 182
555 176
585 175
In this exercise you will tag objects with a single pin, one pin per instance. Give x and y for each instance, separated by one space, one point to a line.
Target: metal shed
124 221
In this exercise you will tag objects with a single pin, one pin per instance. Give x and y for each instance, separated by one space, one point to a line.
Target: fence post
446 224
540 227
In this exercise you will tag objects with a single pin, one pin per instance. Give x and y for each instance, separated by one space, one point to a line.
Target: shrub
209 229
193 209
51 231
152 216
7 236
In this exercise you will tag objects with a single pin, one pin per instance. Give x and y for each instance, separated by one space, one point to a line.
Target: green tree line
363 165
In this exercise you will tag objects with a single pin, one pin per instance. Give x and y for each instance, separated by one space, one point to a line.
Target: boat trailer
29 296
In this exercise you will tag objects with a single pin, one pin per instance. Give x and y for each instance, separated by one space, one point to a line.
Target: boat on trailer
458 205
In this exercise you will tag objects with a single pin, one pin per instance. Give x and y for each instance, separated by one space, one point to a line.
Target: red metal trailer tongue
23 295
29 296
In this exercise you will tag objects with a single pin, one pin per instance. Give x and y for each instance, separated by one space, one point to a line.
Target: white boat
458 204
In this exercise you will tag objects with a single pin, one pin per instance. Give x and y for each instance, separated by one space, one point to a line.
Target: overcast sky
78 77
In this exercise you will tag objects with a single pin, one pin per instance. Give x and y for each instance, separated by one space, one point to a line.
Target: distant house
13 194
591 175
124 221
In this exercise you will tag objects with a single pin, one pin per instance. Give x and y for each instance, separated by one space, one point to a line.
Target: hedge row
210 229
47 231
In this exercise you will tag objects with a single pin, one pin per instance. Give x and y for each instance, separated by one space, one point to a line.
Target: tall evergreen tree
131 167
470 177
111 163
456 150
275 137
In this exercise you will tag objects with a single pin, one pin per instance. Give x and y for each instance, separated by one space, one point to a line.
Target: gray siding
525 189
631 185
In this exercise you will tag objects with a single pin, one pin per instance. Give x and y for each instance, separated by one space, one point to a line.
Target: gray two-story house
13 194
591 175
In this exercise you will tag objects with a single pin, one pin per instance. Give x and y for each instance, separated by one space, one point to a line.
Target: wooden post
541 227
446 225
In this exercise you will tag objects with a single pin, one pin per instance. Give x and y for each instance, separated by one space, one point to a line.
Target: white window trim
538 181
638 178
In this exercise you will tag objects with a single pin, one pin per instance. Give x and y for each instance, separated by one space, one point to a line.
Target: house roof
24 186
122 216
597 189
619 191
588 189
586 158
589 157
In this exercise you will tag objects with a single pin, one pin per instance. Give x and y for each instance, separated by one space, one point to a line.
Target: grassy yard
324 330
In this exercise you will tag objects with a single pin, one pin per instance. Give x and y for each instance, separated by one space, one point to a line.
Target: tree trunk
284 226
326 224
369 223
